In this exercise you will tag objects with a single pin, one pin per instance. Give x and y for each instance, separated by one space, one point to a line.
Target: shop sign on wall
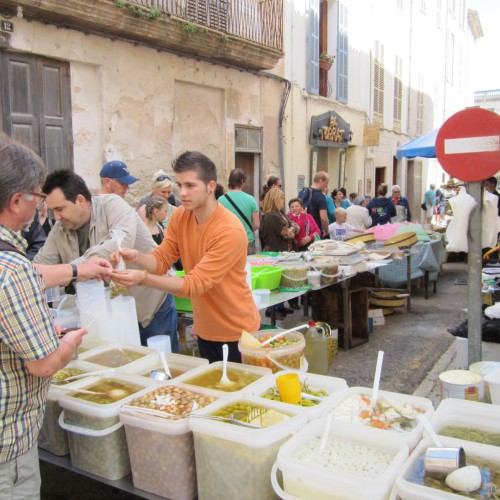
329 130
371 135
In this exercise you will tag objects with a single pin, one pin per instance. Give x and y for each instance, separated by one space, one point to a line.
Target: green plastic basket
182 303
267 277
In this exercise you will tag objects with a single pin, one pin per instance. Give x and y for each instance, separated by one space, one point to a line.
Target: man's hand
95 267
305 240
128 278
74 337
128 255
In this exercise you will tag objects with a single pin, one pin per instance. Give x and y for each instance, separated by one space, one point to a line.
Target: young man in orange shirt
212 244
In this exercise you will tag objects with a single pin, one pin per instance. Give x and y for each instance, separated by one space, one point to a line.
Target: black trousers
212 350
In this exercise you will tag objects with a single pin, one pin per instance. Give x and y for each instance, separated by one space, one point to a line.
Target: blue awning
424 146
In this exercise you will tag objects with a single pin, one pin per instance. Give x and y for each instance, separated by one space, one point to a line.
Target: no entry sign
468 144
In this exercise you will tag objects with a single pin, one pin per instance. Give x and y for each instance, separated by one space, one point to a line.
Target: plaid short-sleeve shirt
26 334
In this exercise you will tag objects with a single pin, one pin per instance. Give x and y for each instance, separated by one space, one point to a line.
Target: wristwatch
74 276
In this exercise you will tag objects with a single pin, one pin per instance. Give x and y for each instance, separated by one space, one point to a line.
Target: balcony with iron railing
242 33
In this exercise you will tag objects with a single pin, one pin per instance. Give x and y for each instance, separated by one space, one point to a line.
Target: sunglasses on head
163 177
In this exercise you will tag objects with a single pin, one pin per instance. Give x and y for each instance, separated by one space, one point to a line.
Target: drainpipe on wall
284 99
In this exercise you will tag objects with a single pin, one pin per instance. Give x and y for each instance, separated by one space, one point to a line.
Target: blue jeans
164 322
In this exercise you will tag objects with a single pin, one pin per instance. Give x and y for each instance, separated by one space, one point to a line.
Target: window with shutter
342 54
398 93
313 47
378 83
420 106
36 106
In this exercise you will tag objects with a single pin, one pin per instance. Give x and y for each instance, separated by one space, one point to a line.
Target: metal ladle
439 461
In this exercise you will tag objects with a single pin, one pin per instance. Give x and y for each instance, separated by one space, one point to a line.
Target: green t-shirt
246 204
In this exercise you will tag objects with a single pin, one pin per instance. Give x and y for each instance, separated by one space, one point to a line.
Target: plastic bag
115 290
490 330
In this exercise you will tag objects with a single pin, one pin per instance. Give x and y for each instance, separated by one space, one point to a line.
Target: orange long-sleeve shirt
214 256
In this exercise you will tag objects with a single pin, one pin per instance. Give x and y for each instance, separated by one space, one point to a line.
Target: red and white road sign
468 144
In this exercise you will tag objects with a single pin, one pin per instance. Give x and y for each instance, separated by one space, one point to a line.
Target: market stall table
422 260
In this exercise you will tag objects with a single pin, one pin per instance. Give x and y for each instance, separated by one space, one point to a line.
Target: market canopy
424 146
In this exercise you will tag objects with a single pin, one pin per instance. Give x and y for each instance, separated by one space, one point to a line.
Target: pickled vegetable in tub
175 401
383 415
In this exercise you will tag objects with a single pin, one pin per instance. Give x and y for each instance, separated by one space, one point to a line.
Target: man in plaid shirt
30 351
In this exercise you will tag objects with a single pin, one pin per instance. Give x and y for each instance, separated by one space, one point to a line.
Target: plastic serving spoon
280 334
224 380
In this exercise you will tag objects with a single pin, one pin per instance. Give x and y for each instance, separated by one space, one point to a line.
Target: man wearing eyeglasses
30 350
212 243
115 178
84 228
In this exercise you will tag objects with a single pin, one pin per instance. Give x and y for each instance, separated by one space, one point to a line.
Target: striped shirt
26 334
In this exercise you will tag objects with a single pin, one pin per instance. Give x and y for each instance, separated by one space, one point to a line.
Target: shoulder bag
241 214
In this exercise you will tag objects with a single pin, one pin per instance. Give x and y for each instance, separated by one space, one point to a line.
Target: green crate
183 303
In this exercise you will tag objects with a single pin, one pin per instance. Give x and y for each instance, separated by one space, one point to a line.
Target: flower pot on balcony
325 65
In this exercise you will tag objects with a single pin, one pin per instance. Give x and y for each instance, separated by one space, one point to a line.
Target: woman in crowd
278 234
308 229
162 185
156 212
272 182
381 209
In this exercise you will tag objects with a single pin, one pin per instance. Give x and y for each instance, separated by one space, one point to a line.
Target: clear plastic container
316 349
329 269
320 478
276 358
96 436
207 377
477 454
161 449
314 383
411 436
52 437
234 461
294 275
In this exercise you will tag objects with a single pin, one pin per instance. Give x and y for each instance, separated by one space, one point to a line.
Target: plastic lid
312 323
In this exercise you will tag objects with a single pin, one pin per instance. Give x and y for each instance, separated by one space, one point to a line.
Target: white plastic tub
178 364
410 437
161 449
246 375
408 490
234 461
321 477
468 414
96 435
97 355
331 385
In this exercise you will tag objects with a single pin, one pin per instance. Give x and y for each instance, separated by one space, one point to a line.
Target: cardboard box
375 313
378 321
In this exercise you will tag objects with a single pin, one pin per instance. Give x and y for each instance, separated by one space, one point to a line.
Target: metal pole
474 276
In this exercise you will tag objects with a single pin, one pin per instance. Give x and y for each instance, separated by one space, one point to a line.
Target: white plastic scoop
164 364
280 334
326 432
376 379
224 380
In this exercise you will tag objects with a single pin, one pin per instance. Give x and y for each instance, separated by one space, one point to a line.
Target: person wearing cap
115 178
162 185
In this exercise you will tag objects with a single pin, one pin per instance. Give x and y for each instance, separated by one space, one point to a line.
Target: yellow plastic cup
289 388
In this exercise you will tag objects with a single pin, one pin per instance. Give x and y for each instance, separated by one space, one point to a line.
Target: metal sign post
468 148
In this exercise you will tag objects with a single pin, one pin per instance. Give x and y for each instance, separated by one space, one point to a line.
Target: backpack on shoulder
305 195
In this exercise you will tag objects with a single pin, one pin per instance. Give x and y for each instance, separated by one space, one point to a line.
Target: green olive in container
294 275
282 354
